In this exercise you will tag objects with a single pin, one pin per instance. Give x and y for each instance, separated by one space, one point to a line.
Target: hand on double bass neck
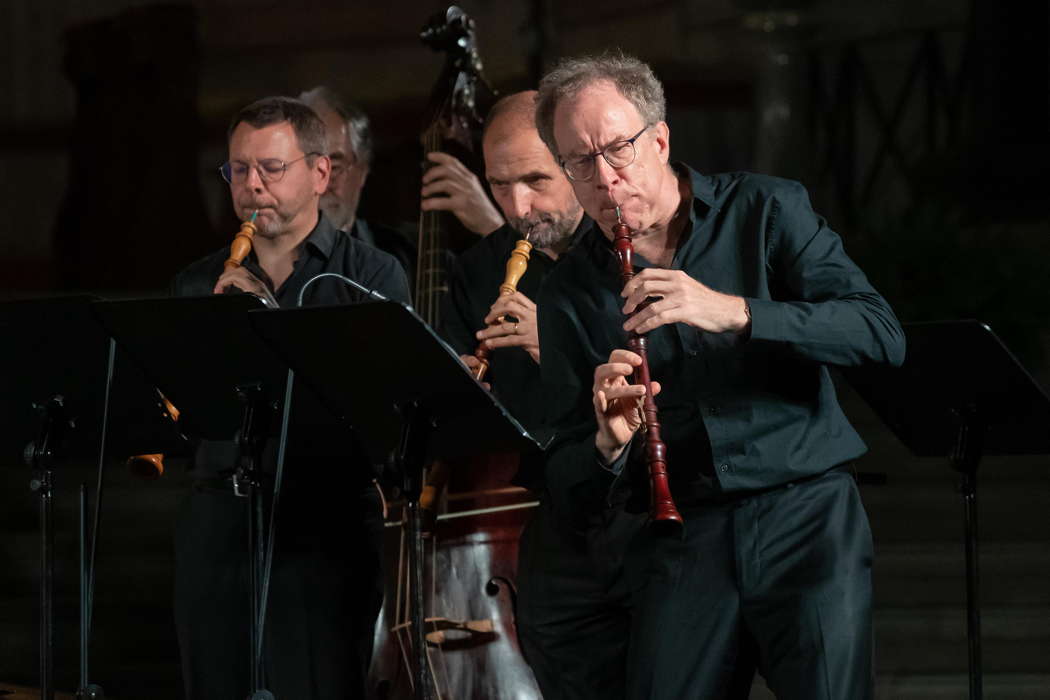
520 331
617 403
450 186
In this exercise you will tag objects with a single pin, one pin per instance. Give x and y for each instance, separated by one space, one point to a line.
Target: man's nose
253 180
605 175
520 203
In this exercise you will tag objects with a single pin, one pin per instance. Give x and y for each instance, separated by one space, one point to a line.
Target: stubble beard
272 225
547 229
278 218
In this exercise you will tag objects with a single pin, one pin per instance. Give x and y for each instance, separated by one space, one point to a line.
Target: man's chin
547 235
268 226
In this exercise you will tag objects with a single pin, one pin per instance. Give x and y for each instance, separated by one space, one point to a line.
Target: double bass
471 548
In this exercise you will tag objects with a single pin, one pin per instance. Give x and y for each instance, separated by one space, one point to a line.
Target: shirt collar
703 186
704 201
703 192
585 225
322 239
362 232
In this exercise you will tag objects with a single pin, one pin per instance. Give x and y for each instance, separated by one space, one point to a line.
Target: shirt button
723 467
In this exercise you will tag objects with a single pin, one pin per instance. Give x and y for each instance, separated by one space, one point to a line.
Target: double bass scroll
454 120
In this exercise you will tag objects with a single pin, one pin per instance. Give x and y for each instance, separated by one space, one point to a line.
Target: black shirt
737 414
326 249
473 286
387 240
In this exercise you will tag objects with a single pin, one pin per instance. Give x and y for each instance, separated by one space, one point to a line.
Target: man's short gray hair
357 123
633 79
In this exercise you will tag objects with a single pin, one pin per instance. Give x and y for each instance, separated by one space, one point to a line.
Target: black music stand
384 370
202 353
962 394
56 357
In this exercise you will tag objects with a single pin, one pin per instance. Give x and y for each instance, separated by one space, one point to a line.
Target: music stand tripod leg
965 457
85 689
40 455
415 430
247 483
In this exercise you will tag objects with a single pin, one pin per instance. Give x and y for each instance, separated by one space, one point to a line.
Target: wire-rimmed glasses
618 154
270 169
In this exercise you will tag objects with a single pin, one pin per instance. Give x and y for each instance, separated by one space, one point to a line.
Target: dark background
921 129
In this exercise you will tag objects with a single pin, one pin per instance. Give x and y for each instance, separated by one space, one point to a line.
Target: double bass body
471 566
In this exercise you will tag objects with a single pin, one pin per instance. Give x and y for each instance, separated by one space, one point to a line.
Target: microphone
356 285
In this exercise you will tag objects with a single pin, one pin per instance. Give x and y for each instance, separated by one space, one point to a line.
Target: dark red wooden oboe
662 509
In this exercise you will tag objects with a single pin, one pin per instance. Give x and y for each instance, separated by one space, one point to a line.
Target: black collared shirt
326 249
387 240
473 286
737 414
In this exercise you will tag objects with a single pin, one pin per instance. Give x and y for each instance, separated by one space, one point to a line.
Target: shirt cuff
616 466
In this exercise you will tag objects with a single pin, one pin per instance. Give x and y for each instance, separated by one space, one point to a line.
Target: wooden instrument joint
517 264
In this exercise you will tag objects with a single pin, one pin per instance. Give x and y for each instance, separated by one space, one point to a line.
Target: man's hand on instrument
448 185
473 364
245 281
681 299
520 333
617 403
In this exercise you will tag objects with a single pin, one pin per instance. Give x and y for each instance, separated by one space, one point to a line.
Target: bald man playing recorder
572 615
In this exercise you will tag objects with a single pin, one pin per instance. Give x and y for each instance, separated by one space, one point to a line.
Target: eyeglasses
618 154
270 169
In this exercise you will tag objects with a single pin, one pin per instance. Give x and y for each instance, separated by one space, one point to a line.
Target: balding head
511 114
527 183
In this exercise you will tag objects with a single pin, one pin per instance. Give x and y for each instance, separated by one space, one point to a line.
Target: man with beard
350 150
746 296
572 616
326 585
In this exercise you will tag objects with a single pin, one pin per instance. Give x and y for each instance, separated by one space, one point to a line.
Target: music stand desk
960 394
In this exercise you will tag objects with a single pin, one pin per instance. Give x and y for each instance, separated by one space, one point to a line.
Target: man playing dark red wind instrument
751 298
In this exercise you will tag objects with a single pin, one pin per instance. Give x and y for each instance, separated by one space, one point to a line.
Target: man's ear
322 171
663 140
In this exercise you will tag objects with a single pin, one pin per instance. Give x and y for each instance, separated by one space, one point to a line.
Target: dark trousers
324 596
573 605
785 576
